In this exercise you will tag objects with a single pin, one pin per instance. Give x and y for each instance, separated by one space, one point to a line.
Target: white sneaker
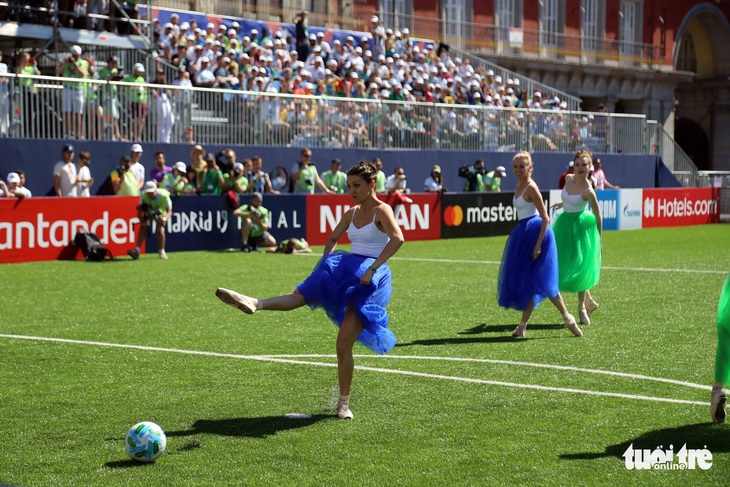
569 321
717 405
163 255
343 410
232 298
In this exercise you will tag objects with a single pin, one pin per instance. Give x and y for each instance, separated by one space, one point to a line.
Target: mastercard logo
453 216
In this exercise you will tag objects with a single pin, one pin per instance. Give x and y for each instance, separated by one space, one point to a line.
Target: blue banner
608 201
206 223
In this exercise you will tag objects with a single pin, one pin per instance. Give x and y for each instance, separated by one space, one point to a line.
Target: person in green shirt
73 67
335 179
475 182
493 179
210 179
234 184
27 66
124 182
109 96
381 180
138 98
255 224
175 181
155 206
306 178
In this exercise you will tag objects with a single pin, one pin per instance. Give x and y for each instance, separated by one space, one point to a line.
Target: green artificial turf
431 412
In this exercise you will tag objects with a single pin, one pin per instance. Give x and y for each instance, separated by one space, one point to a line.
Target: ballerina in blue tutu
529 270
353 288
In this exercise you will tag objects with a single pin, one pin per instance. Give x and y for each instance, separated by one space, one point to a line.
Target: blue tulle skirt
521 279
334 284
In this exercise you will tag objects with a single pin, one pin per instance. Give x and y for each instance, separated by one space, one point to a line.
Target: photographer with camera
255 224
74 67
474 175
124 182
155 206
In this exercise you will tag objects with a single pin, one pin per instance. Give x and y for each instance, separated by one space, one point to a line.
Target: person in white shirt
136 167
64 173
434 183
13 188
83 175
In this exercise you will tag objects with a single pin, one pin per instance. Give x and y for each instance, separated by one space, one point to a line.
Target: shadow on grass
127 464
484 328
505 335
695 436
252 427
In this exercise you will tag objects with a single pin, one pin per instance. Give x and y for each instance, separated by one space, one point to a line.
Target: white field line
610 268
284 360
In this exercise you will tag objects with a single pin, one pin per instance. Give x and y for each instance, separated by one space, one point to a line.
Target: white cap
497 79
501 170
320 34
235 25
406 32
138 67
184 26
174 16
490 72
76 50
254 31
180 166
137 148
563 104
150 187
374 18
13 177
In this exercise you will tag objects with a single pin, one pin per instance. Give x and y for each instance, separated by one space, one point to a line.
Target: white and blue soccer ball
145 442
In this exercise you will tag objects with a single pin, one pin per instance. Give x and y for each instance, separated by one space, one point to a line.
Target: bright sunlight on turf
457 402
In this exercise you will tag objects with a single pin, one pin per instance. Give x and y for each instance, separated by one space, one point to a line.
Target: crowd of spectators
382 65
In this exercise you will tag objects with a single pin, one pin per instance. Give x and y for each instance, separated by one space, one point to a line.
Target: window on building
396 14
455 15
592 25
507 14
549 22
686 57
630 27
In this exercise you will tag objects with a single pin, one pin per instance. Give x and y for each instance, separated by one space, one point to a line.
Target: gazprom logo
629 212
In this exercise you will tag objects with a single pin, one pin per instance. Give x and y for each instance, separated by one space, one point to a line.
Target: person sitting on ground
255 224
155 206
291 246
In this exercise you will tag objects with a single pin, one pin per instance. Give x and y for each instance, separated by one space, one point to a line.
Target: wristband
373 269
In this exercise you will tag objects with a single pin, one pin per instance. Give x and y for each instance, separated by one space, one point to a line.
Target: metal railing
661 142
721 181
531 44
52 107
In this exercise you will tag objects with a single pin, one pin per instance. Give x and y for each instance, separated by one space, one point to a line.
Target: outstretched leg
349 331
250 305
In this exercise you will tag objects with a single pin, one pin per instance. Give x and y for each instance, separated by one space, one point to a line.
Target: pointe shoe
520 331
584 317
343 410
569 321
717 405
591 306
232 298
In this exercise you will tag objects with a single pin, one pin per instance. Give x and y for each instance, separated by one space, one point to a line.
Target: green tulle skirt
579 251
722 358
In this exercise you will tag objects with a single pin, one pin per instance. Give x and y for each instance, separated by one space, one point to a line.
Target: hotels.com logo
453 216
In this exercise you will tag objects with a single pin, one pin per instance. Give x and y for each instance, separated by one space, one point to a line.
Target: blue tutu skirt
523 280
334 284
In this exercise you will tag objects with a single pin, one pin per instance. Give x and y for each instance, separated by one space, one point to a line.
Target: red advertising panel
35 229
420 220
674 207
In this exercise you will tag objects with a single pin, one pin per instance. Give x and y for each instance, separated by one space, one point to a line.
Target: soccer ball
145 442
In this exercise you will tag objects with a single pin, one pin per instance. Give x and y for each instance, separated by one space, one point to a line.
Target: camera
257 214
122 168
116 75
309 182
468 172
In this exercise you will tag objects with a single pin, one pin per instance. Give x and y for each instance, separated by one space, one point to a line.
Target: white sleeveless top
368 240
524 209
572 203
